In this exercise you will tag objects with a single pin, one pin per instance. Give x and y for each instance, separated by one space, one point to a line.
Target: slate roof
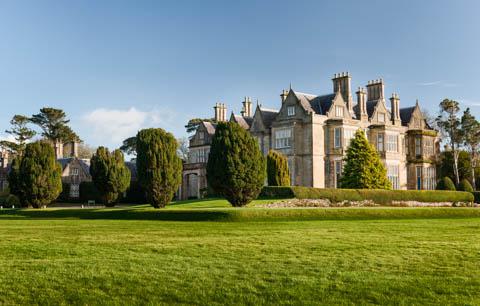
210 127
244 122
315 104
371 108
84 163
268 116
406 114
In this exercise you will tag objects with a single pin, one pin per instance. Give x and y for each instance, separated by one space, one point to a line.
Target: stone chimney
342 84
375 90
247 107
284 95
220 112
395 108
362 103
59 149
3 159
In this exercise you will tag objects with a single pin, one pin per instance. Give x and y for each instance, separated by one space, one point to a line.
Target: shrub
12 201
109 174
40 175
446 184
378 196
158 165
363 168
465 186
236 166
88 192
476 196
277 169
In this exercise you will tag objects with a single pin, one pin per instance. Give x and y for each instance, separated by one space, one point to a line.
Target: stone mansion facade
314 132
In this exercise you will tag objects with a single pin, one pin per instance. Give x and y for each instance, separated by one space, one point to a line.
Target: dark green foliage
109 174
446 183
476 195
20 132
158 165
129 146
378 196
88 192
193 124
269 192
40 175
12 201
13 177
445 167
135 194
363 168
465 186
236 166
278 173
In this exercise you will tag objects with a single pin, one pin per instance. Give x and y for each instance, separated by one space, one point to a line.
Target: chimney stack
362 103
375 90
342 84
247 107
395 108
220 112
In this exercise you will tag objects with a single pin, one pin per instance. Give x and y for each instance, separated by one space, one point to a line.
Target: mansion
314 132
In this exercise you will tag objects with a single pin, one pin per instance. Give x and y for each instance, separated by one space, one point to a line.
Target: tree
446 184
109 174
449 123
54 125
20 132
278 173
363 168
85 151
193 124
158 165
471 140
465 186
129 146
183 150
236 166
14 177
41 181
464 166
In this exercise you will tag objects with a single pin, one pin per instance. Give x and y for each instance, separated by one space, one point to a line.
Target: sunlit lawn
203 252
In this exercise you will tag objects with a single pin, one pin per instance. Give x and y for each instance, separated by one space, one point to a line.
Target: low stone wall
365 203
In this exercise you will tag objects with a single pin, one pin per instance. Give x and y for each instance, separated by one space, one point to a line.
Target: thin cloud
111 126
438 83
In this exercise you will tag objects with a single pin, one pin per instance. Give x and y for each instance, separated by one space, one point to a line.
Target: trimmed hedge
376 195
476 196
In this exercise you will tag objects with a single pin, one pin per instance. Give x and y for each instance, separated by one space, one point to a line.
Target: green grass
204 252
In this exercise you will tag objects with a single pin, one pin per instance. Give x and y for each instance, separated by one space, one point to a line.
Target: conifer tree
236 166
363 168
40 174
278 173
109 174
158 165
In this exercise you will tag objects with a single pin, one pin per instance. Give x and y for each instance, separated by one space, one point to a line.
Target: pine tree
109 174
236 166
40 174
278 173
158 165
363 168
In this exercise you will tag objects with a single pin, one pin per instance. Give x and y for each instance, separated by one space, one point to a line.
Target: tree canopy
278 173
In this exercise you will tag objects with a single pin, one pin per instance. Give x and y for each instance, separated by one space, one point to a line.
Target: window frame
337 139
290 111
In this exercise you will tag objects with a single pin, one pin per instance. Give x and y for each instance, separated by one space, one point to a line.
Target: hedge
476 195
378 196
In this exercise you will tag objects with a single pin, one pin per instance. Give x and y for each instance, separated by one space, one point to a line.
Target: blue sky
117 66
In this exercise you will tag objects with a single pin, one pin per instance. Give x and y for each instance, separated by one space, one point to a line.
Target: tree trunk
455 167
473 163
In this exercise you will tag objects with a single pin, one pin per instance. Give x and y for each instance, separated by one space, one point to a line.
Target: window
428 146
338 111
380 143
418 173
381 117
201 135
74 191
429 178
74 171
338 137
392 143
418 145
283 138
347 136
338 173
291 111
392 174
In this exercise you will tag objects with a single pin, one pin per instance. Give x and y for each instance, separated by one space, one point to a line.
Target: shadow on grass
115 214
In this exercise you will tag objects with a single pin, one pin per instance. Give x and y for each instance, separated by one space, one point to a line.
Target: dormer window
381 117
291 111
74 171
338 111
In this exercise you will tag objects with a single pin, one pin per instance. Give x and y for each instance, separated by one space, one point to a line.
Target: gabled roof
371 105
268 116
84 163
210 127
315 104
406 114
244 122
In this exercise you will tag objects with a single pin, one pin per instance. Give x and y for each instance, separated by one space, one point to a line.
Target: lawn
203 252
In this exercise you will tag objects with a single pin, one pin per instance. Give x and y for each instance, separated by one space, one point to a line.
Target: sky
118 66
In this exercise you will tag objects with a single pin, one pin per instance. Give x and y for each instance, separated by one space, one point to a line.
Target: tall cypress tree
109 174
236 166
40 174
278 173
158 165
363 168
